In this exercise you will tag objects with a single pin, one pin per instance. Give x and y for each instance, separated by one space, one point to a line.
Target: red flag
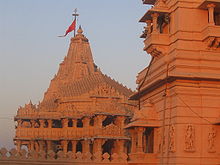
71 28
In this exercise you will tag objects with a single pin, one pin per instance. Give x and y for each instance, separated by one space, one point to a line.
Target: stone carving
32 154
42 155
106 157
13 153
87 156
97 156
123 157
79 156
3 153
114 157
51 155
61 155
190 138
212 42
211 140
172 139
70 155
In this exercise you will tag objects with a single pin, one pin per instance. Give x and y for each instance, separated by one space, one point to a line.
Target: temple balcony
156 33
110 131
211 32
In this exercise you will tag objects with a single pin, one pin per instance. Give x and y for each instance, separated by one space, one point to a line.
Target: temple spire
79 61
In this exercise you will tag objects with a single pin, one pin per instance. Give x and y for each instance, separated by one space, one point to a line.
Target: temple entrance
108 146
149 140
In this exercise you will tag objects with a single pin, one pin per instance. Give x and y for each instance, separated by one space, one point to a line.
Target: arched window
79 123
79 146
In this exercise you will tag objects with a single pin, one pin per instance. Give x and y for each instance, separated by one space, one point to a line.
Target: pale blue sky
30 50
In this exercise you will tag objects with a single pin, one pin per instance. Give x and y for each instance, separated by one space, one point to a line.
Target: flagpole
75 17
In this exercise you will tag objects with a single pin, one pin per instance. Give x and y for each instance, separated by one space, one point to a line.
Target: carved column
64 144
42 123
86 121
119 144
85 146
32 145
119 121
19 123
18 145
98 120
74 142
148 22
133 141
50 123
36 145
211 8
97 149
155 17
49 145
41 144
139 139
65 123
32 123
74 121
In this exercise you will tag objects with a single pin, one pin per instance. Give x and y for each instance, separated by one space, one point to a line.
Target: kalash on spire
81 107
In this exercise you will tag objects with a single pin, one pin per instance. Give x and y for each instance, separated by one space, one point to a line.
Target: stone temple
83 110
173 117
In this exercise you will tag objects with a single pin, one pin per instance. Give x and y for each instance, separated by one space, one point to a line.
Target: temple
83 110
172 118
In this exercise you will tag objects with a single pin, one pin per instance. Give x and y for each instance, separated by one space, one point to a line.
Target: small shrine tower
180 87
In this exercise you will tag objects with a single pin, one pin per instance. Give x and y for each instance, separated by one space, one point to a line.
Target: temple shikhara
172 118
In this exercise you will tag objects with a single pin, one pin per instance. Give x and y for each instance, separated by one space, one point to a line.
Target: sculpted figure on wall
172 138
211 140
190 138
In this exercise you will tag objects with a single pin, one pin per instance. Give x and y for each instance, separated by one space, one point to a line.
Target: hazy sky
30 50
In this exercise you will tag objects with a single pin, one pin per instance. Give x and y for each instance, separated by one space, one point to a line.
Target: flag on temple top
70 28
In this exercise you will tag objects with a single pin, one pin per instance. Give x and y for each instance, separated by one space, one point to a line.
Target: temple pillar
97 149
18 145
32 123
74 121
149 30
119 146
140 131
86 122
155 17
31 145
119 121
65 123
50 123
74 142
133 141
64 144
36 145
19 123
98 120
41 145
42 123
85 146
49 145
211 8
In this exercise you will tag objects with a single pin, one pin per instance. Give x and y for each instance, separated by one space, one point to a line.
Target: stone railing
69 132
23 155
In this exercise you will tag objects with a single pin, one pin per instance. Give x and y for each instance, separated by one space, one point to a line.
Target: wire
142 83
193 110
